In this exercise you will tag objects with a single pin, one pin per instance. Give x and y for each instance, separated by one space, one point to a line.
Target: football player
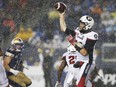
69 58
84 40
3 78
13 63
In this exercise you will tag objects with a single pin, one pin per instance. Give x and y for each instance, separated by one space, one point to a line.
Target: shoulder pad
92 35
10 52
64 54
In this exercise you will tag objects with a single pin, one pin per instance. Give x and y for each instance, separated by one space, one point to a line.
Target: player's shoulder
10 52
64 54
77 30
92 35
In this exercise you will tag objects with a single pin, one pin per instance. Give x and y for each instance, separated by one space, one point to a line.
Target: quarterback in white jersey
3 78
84 40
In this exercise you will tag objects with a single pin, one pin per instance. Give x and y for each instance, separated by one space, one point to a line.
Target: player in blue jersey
13 63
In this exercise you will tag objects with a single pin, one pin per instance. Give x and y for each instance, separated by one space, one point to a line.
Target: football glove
78 64
71 39
15 72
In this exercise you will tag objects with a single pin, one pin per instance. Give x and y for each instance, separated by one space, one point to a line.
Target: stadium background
36 22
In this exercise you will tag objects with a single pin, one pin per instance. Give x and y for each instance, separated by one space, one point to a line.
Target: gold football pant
21 79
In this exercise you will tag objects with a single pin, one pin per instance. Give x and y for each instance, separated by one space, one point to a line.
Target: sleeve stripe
9 54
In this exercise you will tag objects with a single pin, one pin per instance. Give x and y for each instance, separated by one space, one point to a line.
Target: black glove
78 64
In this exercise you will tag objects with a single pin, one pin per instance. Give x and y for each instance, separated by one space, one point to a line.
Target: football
60 6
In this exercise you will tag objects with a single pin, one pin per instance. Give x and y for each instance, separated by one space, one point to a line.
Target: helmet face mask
87 21
17 44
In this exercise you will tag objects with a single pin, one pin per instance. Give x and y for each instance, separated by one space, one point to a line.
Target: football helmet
88 21
71 48
17 44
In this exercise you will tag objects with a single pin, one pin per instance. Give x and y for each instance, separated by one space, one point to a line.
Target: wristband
78 46
11 70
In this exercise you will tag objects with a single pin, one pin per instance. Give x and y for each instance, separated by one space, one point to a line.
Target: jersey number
71 59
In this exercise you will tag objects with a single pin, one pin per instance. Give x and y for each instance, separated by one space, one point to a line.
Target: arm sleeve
89 46
69 31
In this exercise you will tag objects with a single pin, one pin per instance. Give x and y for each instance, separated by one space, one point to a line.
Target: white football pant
3 77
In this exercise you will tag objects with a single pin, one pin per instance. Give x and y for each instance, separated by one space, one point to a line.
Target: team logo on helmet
17 43
88 21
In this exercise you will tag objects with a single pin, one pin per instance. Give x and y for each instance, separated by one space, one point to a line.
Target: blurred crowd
33 16
36 22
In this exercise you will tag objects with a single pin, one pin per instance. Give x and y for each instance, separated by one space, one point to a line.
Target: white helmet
71 48
17 43
88 21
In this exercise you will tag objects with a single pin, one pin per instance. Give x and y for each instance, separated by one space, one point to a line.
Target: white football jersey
72 57
82 38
